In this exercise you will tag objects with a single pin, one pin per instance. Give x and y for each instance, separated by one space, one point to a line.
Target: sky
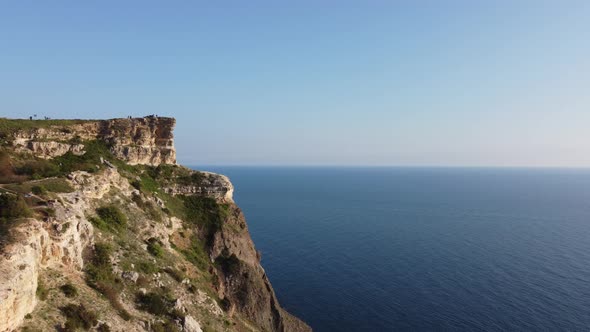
358 83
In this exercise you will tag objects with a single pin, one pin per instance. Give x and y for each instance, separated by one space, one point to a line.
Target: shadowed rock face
243 284
145 141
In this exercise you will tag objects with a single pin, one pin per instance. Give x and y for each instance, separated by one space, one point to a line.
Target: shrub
38 190
7 171
148 207
207 213
57 185
167 326
12 207
136 184
175 274
42 292
103 328
147 267
196 254
195 179
99 275
153 303
112 216
154 247
38 169
69 290
88 162
99 223
78 317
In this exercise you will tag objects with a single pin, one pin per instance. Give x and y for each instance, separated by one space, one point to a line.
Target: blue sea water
384 249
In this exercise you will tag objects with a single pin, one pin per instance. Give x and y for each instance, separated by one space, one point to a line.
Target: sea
423 249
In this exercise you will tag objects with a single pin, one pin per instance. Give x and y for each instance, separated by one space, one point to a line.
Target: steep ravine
147 245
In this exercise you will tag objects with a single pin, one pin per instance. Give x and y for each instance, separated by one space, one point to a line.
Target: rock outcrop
51 149
209 185
146 141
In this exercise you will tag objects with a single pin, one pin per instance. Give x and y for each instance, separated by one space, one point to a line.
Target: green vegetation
99 223
148 207
147 267
162 171
7 171
99 270
38 190
206 213
88 162
147 184
196 254
110 218
99 275
38 169
160 305
195 179
58 185
154 247
154 303
42 291
175 274
167 326
78 317
9 126
69 290
12 208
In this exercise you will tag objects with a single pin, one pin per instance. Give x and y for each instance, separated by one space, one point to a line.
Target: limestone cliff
146 141
122 238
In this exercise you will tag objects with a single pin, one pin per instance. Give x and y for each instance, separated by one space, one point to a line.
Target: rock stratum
100 230
137 141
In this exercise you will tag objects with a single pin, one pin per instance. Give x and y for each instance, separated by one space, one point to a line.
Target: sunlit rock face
144 141
212 185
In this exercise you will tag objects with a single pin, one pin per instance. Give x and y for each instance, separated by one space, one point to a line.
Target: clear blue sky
485 83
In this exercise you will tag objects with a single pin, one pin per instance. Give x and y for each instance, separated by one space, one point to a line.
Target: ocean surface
388 249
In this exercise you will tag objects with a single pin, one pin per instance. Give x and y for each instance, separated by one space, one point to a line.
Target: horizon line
385 166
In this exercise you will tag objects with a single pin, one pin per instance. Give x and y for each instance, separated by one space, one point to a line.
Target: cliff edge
101 230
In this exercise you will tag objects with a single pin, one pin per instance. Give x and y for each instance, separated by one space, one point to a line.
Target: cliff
146 141
101 230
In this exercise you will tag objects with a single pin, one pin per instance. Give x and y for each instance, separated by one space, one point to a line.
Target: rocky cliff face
174 250
209 185
242 279
145 141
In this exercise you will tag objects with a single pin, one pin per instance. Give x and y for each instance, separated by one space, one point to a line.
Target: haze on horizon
459 83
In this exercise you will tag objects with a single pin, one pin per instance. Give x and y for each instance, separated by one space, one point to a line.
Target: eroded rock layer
146 141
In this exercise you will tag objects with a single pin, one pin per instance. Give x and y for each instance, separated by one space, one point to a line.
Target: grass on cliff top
9 126
40 187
